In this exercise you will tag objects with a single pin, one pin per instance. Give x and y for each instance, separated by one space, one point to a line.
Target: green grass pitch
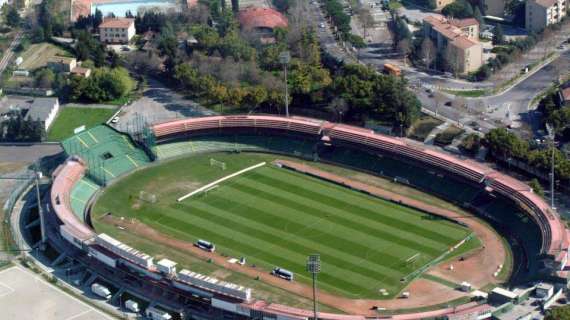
276 217
72 117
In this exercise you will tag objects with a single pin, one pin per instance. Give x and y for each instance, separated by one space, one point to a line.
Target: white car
322 25
115 120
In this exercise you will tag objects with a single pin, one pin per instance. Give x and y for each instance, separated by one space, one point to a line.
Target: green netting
108 153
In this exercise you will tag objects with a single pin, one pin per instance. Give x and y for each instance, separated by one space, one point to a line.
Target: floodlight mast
551 138
314 268
285 58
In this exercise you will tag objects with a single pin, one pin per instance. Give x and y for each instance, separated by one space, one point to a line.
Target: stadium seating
108 154
81 193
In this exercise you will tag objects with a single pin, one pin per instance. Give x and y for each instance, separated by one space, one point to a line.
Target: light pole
284 58
551 138
314 267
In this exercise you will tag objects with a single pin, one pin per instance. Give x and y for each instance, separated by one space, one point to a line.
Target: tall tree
13 17
235 6
498 36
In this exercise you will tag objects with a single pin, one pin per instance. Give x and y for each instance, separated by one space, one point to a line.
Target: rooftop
117 23
462 23
450 29
254 17
41 108
545 3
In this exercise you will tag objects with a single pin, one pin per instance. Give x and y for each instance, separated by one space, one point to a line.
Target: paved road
10 52
510 107
27 152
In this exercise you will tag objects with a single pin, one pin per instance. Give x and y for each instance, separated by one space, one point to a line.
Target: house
564 95
81 72
62 64
117 30
542 13
458 40
262 22
45 110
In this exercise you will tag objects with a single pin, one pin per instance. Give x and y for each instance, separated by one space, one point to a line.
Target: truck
392 70
157 314
101 291
132 306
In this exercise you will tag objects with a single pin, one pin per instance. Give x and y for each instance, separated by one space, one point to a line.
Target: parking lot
26 296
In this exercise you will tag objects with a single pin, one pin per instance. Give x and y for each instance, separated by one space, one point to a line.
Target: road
28 153
508 108
10 52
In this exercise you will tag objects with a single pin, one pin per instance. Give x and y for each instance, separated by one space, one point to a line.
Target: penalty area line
211 184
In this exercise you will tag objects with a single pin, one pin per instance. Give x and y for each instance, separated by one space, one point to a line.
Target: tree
13 17
44 78
235 6
558 313
477 15
428 52
459 9
536 187
498 36
471 144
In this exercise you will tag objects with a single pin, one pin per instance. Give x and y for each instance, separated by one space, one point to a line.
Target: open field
24 295
276 217
37 55
72 117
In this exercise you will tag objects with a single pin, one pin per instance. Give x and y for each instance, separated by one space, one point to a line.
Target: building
495 8
117 30
261 22
458 40
542 13
544 291
500 296
62 64
81 72
45 110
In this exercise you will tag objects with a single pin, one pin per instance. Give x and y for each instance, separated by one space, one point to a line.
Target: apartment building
458 40
542 13
117 30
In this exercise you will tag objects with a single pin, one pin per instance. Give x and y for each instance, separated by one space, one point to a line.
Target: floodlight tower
552 145
284 58
314 267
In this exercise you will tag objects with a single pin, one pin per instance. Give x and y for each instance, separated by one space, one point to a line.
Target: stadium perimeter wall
554 238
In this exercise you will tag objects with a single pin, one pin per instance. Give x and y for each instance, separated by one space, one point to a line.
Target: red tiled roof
254 17
117 23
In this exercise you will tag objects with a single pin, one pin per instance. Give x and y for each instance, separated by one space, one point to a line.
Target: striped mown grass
275 217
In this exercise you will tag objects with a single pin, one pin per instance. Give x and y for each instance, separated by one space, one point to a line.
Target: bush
471 144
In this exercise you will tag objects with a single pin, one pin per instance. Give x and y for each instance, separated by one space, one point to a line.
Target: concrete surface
26 296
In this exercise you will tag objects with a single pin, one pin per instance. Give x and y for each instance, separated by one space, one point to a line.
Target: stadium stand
535 231
109 154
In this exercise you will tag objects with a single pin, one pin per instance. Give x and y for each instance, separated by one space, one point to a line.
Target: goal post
147 196
217 163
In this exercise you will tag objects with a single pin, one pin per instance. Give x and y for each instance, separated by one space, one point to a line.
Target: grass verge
72 117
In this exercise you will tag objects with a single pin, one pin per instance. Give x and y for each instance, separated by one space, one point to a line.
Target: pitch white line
10 290
80 314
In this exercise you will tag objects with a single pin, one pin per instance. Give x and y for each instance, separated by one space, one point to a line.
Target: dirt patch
221 274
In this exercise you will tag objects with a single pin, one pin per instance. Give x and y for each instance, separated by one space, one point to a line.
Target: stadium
268 191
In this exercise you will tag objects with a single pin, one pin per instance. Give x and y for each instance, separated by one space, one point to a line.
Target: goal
147 197
217 163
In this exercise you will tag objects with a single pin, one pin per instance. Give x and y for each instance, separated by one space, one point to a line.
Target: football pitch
276 217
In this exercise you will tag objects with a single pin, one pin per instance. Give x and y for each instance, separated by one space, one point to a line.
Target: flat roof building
542 13
44 110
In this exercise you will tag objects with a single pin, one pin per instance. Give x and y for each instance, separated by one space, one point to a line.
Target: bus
205 245
282 273
392 70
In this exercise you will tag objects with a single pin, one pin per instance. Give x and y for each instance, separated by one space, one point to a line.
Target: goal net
217 163
147 197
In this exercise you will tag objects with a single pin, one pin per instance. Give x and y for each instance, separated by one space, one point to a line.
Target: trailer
157 314
101 291
132 306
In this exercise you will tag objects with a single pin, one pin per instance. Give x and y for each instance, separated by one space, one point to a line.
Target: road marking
10 290
80 314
